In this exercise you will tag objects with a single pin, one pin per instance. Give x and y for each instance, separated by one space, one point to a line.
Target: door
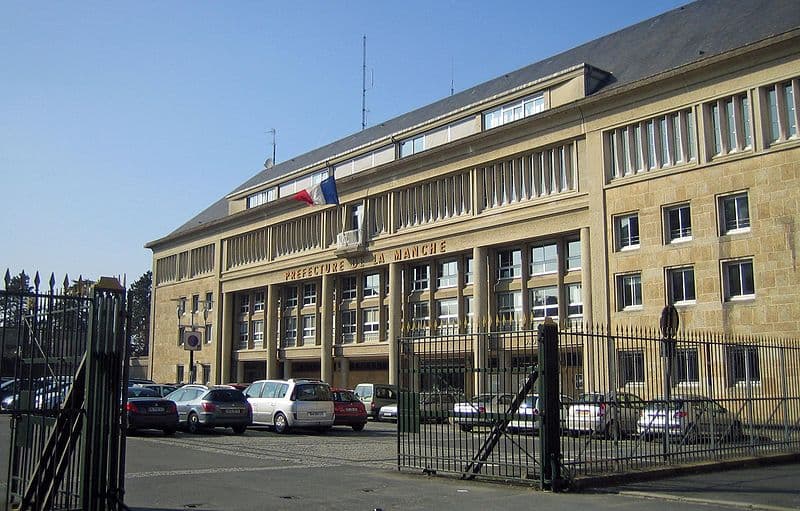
253 394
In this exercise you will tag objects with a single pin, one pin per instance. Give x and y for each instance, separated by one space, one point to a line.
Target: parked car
348 410
146 409
526 419
162 389
221 406
286 404
376 395
436 406
612 414
688 418
481 410
138 381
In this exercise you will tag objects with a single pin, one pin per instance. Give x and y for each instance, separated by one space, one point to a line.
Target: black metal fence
629 400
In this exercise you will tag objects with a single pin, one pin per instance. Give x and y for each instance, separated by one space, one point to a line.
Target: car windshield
142 392
344 396
225 396
312 392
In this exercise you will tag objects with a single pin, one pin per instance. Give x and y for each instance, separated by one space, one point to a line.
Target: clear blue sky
119 121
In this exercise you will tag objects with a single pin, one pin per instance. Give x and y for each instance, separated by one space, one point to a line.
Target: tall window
742 364
677 223
289 331
737 280
309 328
730 124
544 303
209 301
509 310
734 213
179 373
680 282
309 294
686 368
509 264
447 316
258 302
573 255
348 325
258 334
629 291
195 303
782 108
419 278
290 297
244 303
574 305
420 318
627 231
371 322
372 285
447 274
209 333
544 259
243 335
348 288
469 313
631 367
469 271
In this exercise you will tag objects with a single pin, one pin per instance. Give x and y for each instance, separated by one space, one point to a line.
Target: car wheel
358 427
169 431
281 424
193 423
239 429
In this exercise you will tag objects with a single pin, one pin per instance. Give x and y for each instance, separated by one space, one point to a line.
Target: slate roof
678 37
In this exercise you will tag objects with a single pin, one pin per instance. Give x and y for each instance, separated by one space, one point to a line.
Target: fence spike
52 282
8 278
66 283
36 281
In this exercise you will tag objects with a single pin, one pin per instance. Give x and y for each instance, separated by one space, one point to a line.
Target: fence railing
629 400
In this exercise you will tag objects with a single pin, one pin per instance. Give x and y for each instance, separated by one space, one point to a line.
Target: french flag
323 192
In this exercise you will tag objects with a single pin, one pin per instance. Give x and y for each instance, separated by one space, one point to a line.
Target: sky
120 121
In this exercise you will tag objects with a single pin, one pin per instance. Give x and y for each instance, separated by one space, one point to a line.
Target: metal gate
65 354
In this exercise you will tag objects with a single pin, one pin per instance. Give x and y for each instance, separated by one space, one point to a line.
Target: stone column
395 313
287 369
480 343
344 372
273 291
586 276
326 330
226 338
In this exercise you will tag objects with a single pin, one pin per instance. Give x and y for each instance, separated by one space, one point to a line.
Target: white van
286 404
376 395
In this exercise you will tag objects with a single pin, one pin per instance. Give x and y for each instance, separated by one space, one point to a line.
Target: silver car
286 404
687 419
202 407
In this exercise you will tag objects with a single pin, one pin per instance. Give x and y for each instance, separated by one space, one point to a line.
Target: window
205 371
371 322
348 326
372 285
544 303
686 368
309 294
574 304
627 231
469 313
244 304
734 214
419 275
289 331
509 310
209 301
309 327
261 197
730 124
179 373
420 318
737 280
677 224
742 364
209 333
782 110
243 335
319 177
182 305
513 111
573 255
356 216
195 303
544 259
258 334
412 146
448 316
509 264
469 272
348 288
680 285
631 367
447 274
290 297
629 291
258 301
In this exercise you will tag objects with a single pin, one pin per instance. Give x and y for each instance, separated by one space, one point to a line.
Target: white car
481 410
286 404
527 417
388 413
612 414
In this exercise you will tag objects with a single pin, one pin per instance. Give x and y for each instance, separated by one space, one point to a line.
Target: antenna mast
364 85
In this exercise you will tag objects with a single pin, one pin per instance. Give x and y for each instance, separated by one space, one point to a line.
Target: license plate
156 409
583 412
351 409
315 414
232 410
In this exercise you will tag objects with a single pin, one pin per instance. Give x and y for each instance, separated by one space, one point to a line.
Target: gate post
550 406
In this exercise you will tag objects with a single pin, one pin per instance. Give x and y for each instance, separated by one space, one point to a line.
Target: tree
140 294
13 303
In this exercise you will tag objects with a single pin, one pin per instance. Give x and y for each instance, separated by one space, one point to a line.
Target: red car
348 410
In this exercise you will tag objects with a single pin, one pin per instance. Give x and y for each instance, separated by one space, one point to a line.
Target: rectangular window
244 304
509 310
509 264
447 274
258 302
782 105
686 368
348 288
309 327
544 259
309 294
243 335
371 322
742 364
290 297
730 124
627 231
680 282
631 367
469 313
372 285
179 373
574 305
734 214
514 111
420 318
209 333
468 272
289 331
258 334
573 255
195 303
544 303
412 146
737 280
677 224
209 301
420 278
629 291
261 197
447 311
348 326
